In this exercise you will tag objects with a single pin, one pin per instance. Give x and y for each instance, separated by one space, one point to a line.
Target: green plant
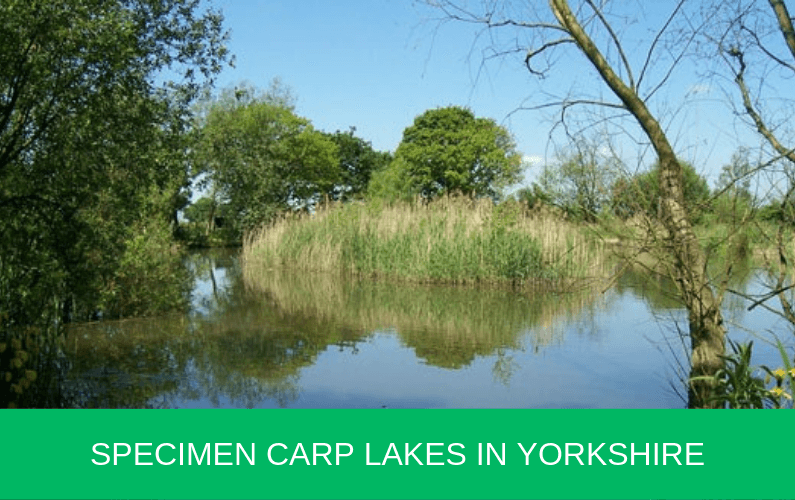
738 387
780 395
451 240
641 193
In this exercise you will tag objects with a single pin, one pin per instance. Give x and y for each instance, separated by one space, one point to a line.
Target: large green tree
94 102
357 163
449 150
256 155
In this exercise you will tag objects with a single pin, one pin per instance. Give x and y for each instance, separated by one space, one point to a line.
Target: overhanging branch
533 53
750 109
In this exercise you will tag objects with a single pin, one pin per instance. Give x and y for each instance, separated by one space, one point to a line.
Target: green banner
397 454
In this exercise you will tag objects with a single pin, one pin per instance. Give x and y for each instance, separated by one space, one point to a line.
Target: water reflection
445 326
298 340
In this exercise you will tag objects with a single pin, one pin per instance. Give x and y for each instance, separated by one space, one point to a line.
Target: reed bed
451 241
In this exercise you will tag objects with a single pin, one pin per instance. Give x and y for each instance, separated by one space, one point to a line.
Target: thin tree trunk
707 331
211 218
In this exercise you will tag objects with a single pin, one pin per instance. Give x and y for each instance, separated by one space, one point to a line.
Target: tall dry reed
453 240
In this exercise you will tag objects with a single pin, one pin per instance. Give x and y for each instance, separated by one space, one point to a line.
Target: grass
451 241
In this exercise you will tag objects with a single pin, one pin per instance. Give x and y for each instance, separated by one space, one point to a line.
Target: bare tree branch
767 51
656 40
759 168
784 23
616 41
455 12
750 109
533 53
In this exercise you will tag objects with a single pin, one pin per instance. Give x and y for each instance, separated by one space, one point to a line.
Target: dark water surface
316 341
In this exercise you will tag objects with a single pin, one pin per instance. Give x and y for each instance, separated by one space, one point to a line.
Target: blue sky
376 64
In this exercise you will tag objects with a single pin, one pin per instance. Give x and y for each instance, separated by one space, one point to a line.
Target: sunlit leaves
449 150
260 158
94 99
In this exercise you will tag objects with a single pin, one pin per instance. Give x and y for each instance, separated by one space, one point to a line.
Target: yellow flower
777 391
780 373
792 373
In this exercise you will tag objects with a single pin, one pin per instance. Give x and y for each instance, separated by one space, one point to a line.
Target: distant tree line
255 158
586 184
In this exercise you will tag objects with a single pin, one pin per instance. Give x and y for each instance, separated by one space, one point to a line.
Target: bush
150 277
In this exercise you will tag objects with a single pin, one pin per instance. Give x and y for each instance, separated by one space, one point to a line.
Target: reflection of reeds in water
447 326
448 241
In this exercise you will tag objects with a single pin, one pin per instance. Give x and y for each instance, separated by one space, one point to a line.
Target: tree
641 193
92 154
202 210
260 158
588 28
732 200
449 150
357 162
734 178
579 181
755 42
63 61
533 196
747 40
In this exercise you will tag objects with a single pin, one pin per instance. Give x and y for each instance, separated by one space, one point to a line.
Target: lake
318 341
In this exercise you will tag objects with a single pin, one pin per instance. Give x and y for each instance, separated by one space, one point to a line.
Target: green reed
455 241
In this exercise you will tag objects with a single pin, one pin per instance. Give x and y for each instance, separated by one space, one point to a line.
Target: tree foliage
260 158
533 196
580 180
89 62
357 163
640 194
199 211
735 177
449 150
94 98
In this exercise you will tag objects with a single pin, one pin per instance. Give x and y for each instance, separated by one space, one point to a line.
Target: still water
317 341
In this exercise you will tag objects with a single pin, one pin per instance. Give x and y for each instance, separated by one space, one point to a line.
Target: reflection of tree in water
659 291
448 327
220 385
504 367
241 358
217 270
239 352
246 347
